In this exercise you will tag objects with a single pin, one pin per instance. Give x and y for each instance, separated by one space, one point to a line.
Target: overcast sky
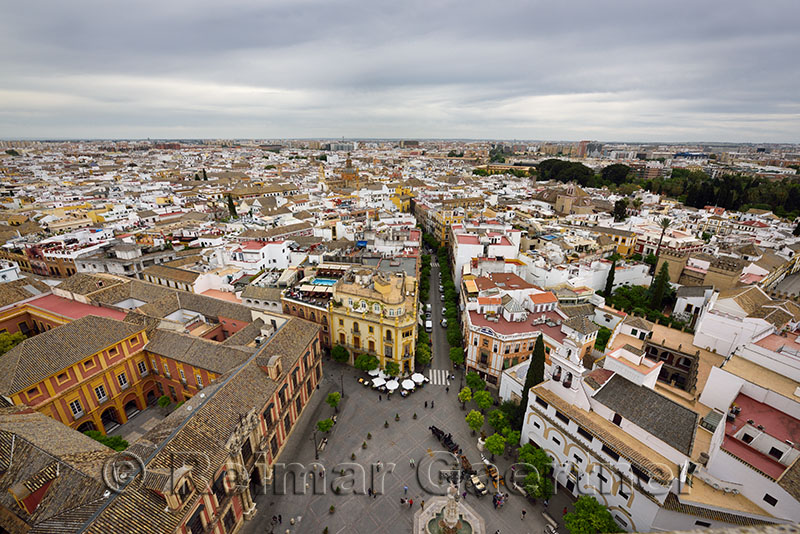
607 70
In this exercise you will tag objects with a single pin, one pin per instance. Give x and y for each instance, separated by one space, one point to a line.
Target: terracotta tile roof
195 351
790 480
582 324
35 450
40 356
261 293
672 503
171 273
24 288
200 429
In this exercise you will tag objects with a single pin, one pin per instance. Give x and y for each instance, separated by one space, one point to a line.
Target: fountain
448 515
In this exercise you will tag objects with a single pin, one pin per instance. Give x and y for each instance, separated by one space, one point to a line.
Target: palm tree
664 224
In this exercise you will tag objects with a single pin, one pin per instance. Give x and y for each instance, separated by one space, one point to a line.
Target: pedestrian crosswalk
439 377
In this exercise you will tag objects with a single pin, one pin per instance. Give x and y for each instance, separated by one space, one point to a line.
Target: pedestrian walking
280 519
464 495
523 515
422 505
412 463
274 519
369 492
546 503
379 398
431 404
405 490
447 389
402 500
410 503
426 404
565 511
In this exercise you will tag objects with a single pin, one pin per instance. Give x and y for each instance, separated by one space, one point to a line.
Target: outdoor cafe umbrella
374 372
418 378
392 385
378 382
408 384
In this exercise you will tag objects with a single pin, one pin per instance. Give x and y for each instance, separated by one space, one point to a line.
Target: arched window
557 373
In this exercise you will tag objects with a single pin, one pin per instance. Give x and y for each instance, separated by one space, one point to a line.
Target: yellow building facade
376 313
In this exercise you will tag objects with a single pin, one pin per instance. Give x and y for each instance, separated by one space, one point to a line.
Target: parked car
444 323
441 288
441 297
428 326
477 486
444 309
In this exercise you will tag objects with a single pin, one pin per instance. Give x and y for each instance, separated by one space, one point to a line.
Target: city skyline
675 73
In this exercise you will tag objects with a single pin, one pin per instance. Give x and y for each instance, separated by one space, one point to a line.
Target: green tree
453 335
12 152
512 436
474 420
9 341
610 279
538 465
664 223
112 442
164 401
333 400
497 420
231 206
483 399
422 355
340 354
590 517
495 444
366 362
475 382
325 425
651 259
535 375
457 355
392 369
615 174
659 287
465 395
602 338
620 209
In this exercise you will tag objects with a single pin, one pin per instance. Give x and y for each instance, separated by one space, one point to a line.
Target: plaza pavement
360 413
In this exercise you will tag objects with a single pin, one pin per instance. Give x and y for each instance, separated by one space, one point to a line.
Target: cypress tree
231 206
610 279
534 376
659 287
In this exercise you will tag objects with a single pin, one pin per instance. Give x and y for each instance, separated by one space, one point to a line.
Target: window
606 449
298 406
556 440
113 351
100 392
376 308
371 329
601 477
541 402
341 322
268 415
617 419
776 453
229 520
123 380
199 380
88 364
747 438
183 376
704 524
620 520
153 361
62 377
578 458
77 409
561 417
624 494
142 368
537 425
584 434
166 369
33 391
770 500
641 475
634 332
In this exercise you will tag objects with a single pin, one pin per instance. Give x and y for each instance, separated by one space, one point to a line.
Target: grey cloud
530 70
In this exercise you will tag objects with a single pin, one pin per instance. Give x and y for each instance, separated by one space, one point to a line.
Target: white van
428 326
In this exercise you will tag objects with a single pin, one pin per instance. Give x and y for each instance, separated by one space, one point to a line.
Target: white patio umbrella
374 372
378 382
392 385
418 378
408 384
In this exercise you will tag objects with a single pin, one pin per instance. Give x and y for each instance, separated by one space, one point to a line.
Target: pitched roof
664 418
196 351
36 450
171 273
40 356
261 293
582 324
750 298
